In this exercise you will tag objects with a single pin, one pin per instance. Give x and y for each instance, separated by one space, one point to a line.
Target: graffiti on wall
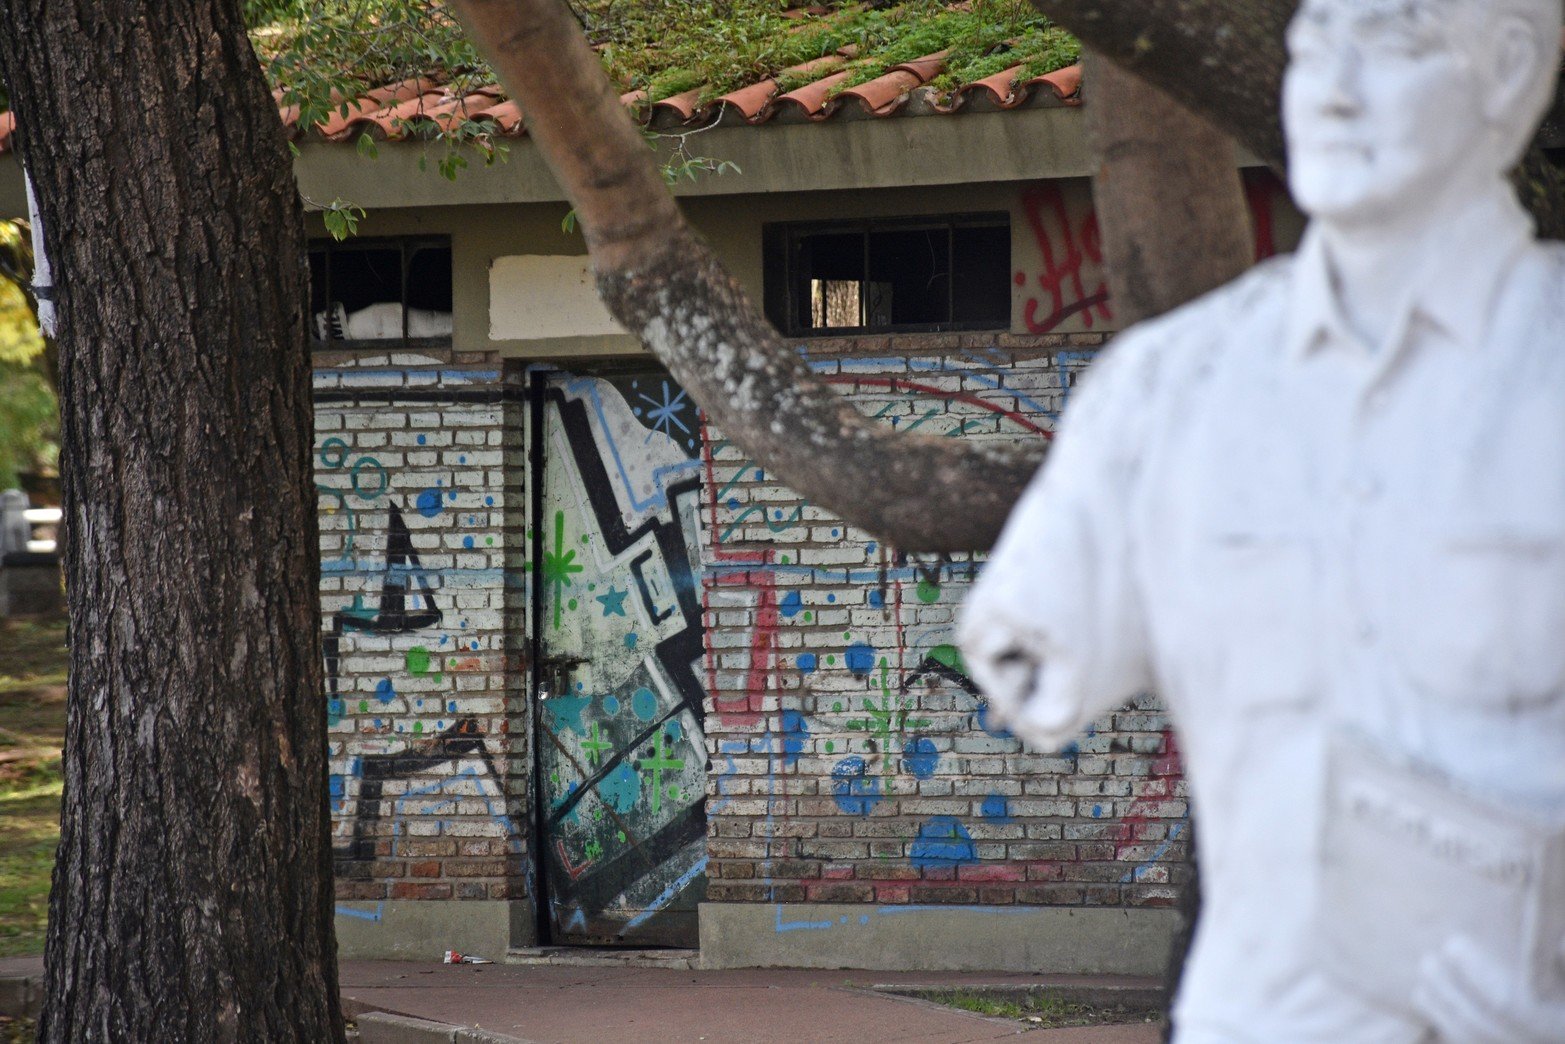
871 693
622 741
1060 282
408 743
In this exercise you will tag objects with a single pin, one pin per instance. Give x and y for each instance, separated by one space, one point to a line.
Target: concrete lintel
1050 940
422 930
1044 142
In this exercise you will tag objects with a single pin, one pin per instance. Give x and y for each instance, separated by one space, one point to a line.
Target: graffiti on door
621 745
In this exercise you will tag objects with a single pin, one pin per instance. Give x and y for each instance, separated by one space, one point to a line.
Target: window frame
780 257
407 246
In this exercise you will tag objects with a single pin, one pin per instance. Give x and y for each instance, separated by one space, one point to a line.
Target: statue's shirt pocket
1477 613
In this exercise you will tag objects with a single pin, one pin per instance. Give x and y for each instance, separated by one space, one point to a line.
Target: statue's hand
1466 995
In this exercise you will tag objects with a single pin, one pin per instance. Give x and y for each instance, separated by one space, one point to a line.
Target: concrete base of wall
1055 940
423 930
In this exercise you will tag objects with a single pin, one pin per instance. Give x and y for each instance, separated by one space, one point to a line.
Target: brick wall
851 759
419 463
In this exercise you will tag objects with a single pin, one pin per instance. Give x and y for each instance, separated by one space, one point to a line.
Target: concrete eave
842 153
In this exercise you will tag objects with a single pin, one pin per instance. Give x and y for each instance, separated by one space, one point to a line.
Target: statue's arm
1053 631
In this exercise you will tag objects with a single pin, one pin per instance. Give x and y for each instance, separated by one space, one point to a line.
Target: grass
1047 1012
32 730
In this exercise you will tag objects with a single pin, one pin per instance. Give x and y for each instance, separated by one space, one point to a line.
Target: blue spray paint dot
996 807
863 918
853 788
474 646
760 476
791 604
807 662
942 841
870 547
733 503
462 459
384 690
467 541
489 501
920 757
672 730
377 723
860 659
428 503
831 598
777 513
422 440
444 639
795 734
419 704
836 532
451 707
451 495
988 724
630 640
333 711
643 704
611 704
877 600
1097 811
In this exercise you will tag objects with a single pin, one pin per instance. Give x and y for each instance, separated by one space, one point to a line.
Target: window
945 273
379 290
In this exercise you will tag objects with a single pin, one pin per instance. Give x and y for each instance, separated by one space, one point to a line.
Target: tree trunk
192 896
1223 59
1170 201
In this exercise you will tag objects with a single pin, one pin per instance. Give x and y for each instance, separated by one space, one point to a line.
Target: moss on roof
311 48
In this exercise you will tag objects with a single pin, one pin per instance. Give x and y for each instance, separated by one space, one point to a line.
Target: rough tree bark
192 895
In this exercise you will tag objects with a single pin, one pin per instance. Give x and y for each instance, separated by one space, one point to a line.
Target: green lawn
32 729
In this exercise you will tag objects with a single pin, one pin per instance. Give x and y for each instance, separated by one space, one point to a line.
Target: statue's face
1381 107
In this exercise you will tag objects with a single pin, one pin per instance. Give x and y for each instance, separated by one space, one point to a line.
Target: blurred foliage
29 411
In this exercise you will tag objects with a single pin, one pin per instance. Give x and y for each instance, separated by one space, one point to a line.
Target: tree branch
920 493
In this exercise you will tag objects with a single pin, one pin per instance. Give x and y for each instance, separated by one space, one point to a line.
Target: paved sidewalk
554 1005
558 1005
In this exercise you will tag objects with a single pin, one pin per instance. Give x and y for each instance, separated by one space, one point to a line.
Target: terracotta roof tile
398 110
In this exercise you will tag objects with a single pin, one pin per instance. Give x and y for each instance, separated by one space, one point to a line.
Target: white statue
1322 513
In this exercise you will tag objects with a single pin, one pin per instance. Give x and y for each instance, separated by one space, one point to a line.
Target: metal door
617 646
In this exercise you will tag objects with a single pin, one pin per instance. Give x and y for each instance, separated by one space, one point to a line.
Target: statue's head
1387 102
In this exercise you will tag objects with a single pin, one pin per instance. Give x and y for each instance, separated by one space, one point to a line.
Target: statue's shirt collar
1458 282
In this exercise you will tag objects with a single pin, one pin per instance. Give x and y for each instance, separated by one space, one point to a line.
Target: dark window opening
379 290
948 273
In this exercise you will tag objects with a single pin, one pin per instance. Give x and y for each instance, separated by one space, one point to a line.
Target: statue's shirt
1287 532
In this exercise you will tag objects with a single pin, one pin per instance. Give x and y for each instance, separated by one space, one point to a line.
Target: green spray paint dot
489 541
808 617
619 835
928 592
592 587
847 635
364 706
418 726
418 660
571 604
830 660
838 705
436 678
783 560
585 539
830 746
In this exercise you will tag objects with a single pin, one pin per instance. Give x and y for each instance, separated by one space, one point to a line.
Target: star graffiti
614 602
559 566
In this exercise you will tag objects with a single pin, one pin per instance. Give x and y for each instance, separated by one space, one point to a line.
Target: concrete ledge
384 1028
411 930
21 996
1051 940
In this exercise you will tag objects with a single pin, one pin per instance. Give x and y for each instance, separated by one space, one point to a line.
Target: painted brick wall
851 759
420 466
